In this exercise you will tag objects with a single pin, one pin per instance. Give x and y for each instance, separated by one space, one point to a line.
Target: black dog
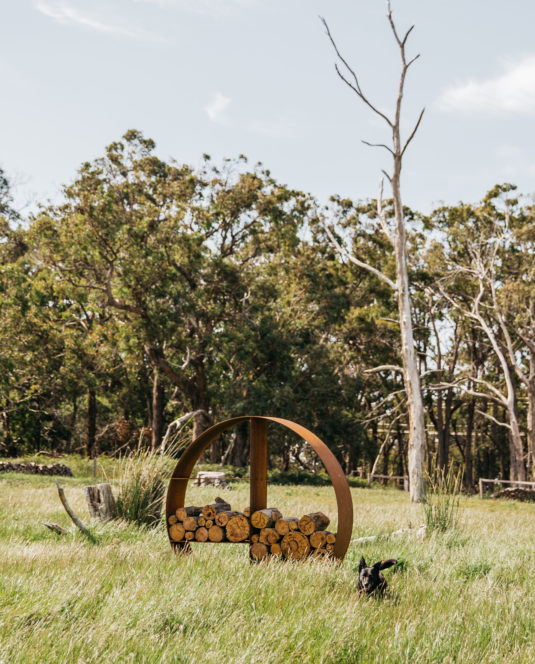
370 578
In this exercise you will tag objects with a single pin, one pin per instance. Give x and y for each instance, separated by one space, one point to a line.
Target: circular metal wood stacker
258 427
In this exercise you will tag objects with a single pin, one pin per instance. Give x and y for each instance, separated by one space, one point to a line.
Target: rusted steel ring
176 492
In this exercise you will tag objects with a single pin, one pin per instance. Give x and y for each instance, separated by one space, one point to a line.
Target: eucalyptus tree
162 249
396 237
475 254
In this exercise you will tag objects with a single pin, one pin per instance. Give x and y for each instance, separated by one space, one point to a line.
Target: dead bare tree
396 235
485 310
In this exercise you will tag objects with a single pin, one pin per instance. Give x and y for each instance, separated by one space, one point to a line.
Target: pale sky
226 77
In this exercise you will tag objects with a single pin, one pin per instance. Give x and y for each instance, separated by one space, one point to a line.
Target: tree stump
100 502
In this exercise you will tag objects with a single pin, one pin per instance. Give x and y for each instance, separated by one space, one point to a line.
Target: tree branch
493 419
356 87
385 367
415 127
344 252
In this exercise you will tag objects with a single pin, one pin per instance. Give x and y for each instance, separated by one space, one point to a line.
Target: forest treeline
153 290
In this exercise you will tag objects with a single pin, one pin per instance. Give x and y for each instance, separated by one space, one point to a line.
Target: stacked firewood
266 531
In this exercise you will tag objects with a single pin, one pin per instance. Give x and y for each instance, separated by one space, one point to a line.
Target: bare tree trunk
157 410
517 469
397 237
468 455
531 413
91 422
411 374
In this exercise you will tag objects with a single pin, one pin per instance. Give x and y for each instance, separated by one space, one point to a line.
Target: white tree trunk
411 372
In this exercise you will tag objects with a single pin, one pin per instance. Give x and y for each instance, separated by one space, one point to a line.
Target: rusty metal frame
176 494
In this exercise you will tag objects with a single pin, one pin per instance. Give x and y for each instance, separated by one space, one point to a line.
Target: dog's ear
385 564
362 564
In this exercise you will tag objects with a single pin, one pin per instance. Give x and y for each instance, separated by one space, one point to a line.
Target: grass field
464 596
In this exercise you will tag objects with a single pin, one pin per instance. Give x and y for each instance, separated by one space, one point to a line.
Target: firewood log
172 519
216 534
275 513
201 534
329 547
295 545
312 522
184 512
210 511
208 523
331 538
222 518
269 536
237 528
258 551
190 523
275 550
264 518
189 535
201 521
283 526
177 532
318 539
320 553
255 537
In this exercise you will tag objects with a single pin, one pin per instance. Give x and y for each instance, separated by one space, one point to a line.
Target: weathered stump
100 502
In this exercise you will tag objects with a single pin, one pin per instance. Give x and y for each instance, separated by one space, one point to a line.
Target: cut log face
312 522
189 535
172 519
177 532
210 511
295 545
216 534
222 518
276 550
201 534
208 523
190 523
183 512
269 536
258 551
318 539
284 526
320 553
264 518
331 538
255 538
201 521
329 547
237 528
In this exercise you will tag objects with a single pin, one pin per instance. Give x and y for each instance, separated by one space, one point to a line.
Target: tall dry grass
465 595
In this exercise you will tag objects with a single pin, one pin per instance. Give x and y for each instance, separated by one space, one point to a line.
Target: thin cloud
67 13
510 92
203 7
216 108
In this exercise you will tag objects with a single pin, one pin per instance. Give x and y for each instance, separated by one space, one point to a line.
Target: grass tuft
443 493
